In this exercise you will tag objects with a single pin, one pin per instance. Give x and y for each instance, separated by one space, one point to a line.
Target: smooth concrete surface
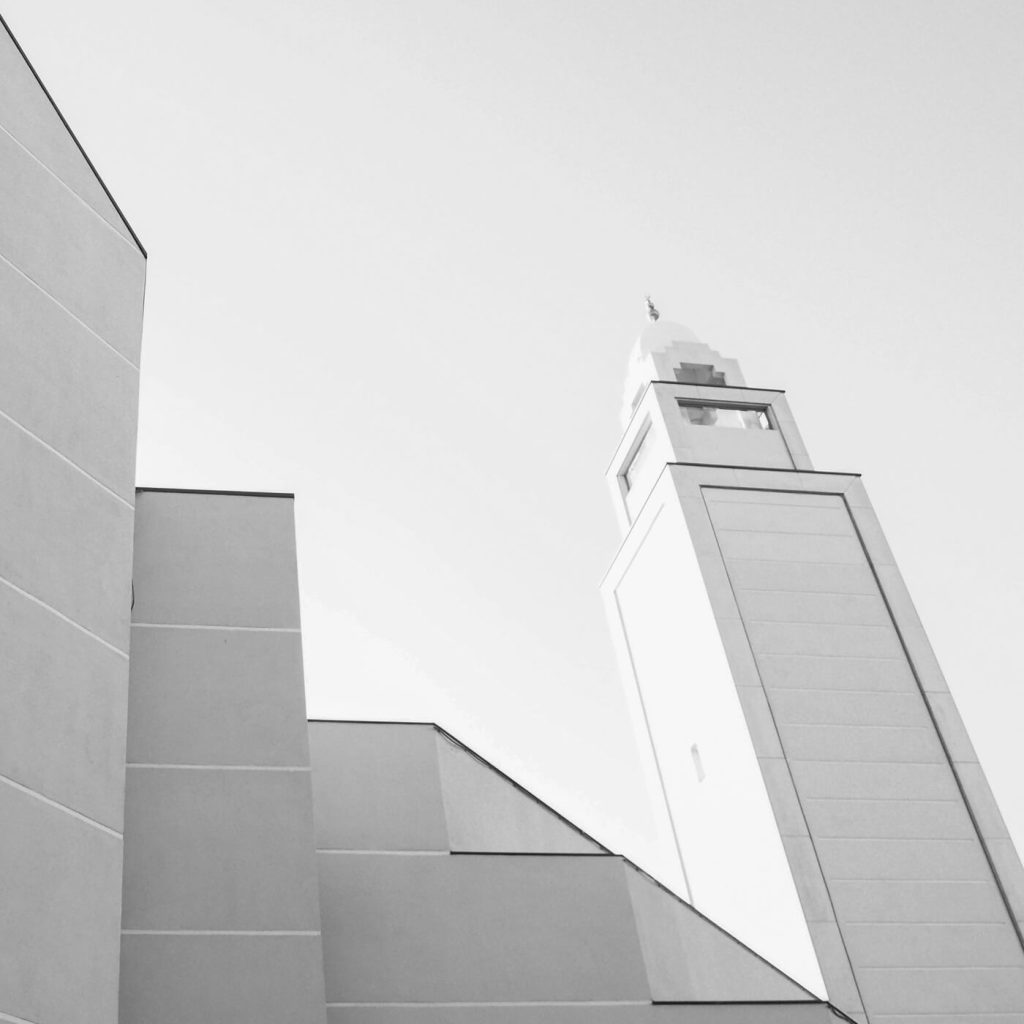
70 252
67 541
478 928
62 728
202 696
221 907
221 979
64 386
376 787
71 296
892 836
28 115
60 885
487 812
221 849
215 560
413 932
691 959
408 786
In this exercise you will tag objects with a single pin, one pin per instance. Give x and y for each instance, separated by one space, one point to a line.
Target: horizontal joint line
221 767
210 931
388 853
536 1002
240 629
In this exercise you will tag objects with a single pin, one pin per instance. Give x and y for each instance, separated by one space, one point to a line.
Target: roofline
74 137
230 494
814 997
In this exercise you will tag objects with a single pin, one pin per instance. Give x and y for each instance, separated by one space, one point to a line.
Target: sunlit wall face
703 761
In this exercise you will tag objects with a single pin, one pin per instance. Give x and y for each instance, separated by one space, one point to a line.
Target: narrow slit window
638 461
698 764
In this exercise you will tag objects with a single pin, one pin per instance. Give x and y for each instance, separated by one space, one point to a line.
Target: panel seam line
60 615
64 458
56 177
50 802
60 305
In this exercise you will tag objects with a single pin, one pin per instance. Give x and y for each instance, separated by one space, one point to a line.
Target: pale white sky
397 254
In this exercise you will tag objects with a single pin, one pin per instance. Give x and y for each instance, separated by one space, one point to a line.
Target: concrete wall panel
221 979
485 812
62 728
221 911
817 707
61 383
855 609
204 696
886 818
874 781
462 928
895 819
916 902
69 251
868 743
809 577
376 787
213 559
213 848
689 959
73 547
967 990
960 860
59 889
808 672
924 945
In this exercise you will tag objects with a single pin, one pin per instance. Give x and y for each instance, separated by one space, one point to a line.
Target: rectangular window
736 417
638 461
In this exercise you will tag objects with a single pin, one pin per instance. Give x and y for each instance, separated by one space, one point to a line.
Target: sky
397 255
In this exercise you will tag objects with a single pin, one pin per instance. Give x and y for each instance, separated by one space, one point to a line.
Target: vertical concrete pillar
221 916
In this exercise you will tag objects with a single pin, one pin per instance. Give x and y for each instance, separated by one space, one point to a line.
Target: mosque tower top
668 351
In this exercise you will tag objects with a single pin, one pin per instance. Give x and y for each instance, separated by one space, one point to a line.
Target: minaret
825 803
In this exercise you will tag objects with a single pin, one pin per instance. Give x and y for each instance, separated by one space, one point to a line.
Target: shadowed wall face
221 917
450 894
71 291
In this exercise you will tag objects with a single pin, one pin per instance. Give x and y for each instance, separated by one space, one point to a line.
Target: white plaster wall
735 866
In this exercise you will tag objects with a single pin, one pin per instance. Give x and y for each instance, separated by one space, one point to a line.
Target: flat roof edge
233 494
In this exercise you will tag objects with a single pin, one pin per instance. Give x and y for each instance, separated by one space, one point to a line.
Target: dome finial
652 311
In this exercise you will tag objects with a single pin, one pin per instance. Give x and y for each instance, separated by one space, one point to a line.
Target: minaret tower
825 803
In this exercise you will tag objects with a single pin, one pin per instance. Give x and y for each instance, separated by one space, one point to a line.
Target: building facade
824 799
179 845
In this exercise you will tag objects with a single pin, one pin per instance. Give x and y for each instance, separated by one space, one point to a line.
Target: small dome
667 351
659 335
